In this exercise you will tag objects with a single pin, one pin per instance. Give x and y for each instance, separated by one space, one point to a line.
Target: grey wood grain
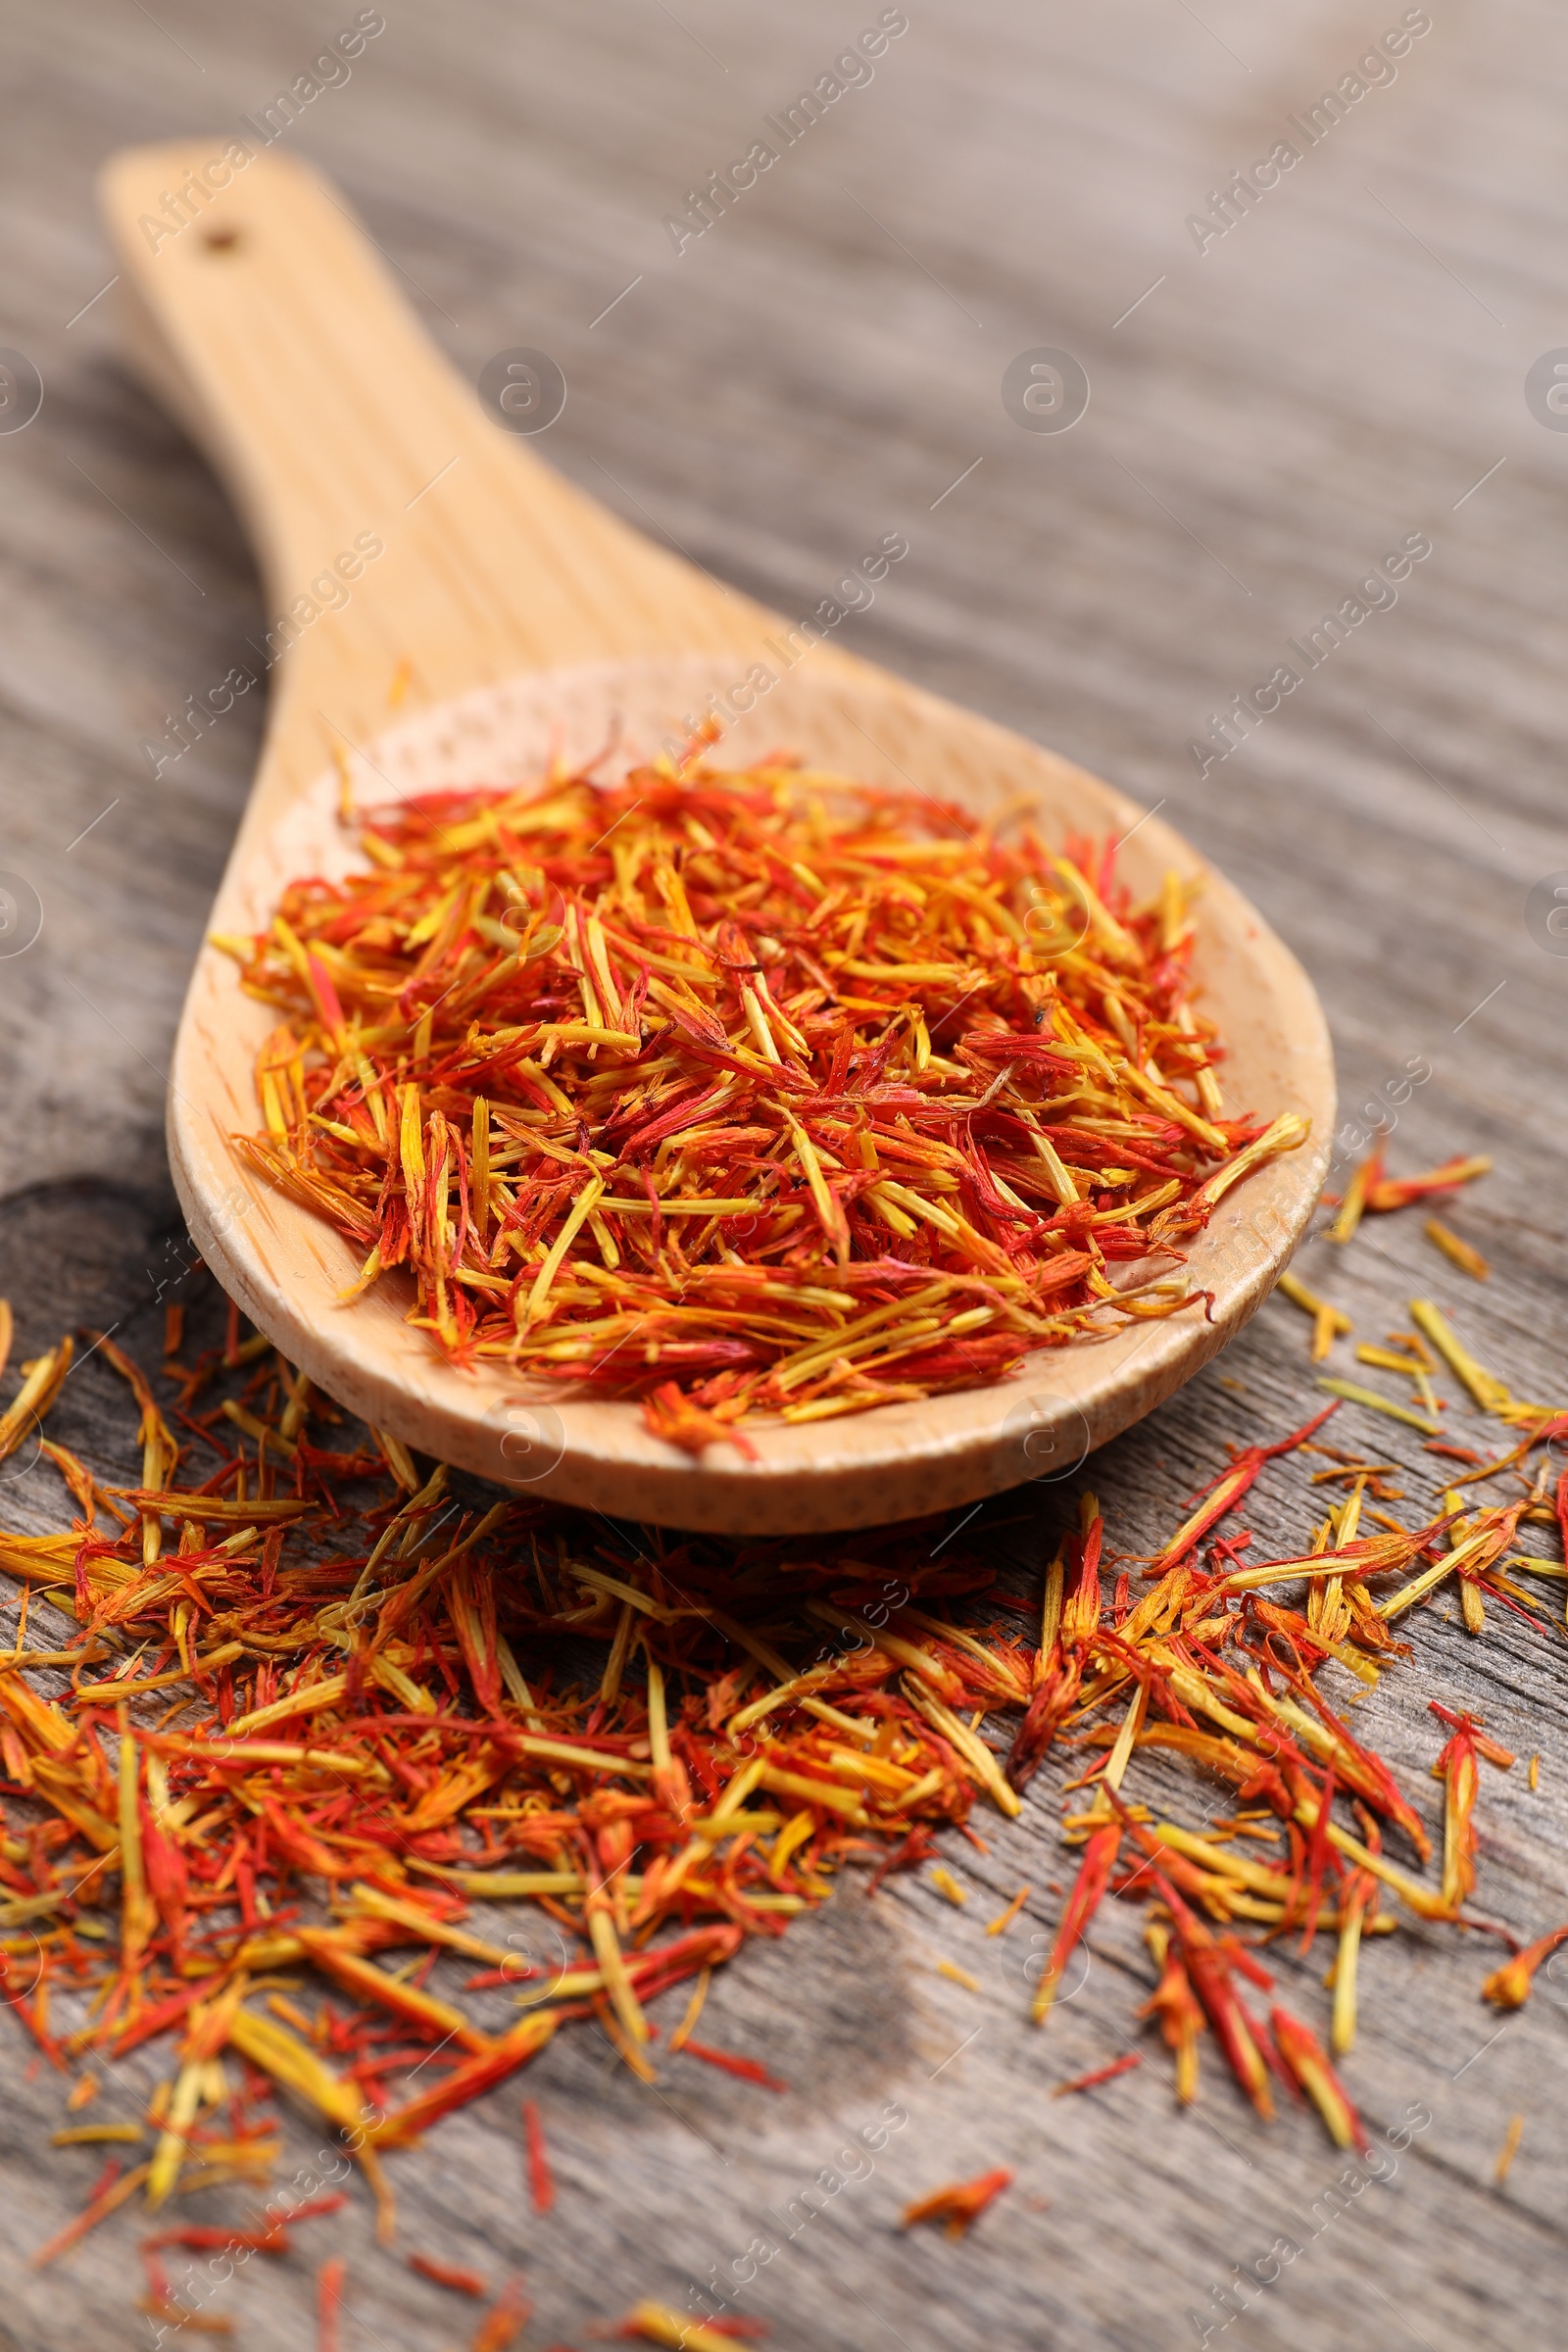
1273 416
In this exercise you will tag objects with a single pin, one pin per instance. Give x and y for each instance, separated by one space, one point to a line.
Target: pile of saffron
741 1091
320 1710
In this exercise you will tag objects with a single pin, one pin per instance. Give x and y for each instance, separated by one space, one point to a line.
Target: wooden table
1273 410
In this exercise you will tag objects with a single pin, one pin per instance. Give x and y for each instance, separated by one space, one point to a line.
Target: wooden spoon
403 534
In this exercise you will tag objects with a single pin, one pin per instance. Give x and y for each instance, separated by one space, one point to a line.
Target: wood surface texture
1344 368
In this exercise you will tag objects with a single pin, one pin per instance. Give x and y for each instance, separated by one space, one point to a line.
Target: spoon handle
397 520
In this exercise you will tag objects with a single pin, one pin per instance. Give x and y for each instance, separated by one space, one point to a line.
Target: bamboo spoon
402 531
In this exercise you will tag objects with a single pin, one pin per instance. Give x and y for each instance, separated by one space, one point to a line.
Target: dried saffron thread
757 1089
541 2179
1098 2074
1509 2149
960 2205
504 2323
749 2070
446 2274
657 2324
1508 1986
328 2304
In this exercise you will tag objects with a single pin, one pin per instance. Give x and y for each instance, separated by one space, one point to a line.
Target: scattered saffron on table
1509 2149
657 2324
446 2274
1101 2074
504 2323
1371 1191
1307 2065
1328 1322
1004 1919
541 2179
394 1692
959 2206
330 2280
749 2070
1508 1986
1457 1252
